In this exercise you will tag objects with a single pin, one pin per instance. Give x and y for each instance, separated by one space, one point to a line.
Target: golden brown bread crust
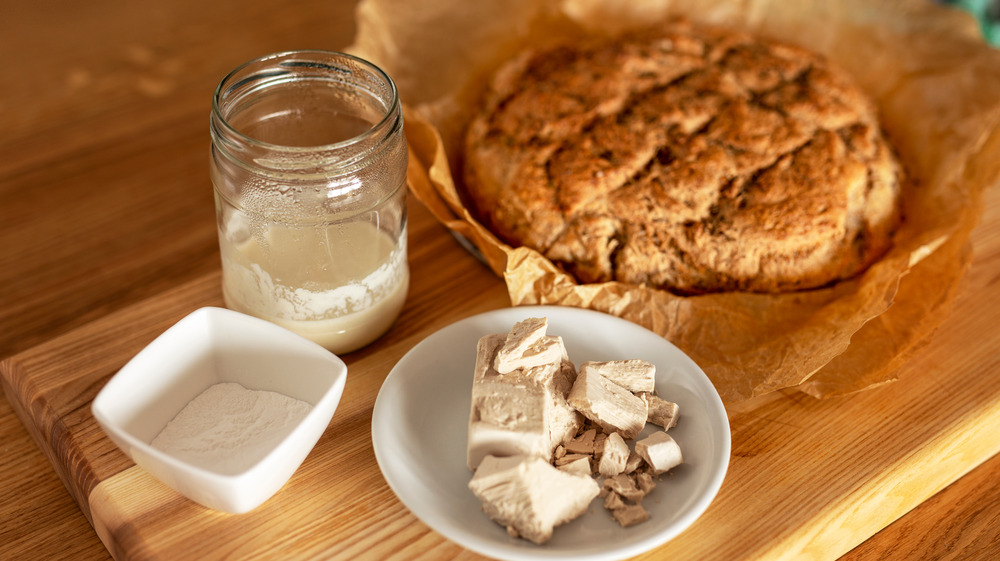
694 160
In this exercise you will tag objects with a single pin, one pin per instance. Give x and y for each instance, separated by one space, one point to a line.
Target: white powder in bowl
229 428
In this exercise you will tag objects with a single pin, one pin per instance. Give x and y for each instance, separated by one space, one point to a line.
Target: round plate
420 423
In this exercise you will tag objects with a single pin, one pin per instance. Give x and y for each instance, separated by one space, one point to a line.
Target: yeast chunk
518 341
630 515
529 496
614 457
524 411
661 412
633 374
609 405
660 451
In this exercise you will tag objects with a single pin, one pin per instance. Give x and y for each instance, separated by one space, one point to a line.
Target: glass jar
309 169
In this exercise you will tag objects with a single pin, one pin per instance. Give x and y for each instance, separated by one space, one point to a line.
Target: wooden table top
105 201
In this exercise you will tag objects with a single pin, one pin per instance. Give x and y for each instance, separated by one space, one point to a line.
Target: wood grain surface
106 213
808 479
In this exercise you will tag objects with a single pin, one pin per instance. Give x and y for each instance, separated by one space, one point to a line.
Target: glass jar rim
391 113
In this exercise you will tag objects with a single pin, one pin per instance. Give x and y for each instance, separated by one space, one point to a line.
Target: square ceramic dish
207 347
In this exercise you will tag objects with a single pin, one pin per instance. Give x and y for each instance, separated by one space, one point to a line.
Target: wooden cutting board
808 479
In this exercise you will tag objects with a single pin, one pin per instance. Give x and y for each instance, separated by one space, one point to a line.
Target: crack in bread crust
694 160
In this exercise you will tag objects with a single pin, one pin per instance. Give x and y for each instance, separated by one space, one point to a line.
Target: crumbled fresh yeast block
613 500
583 443
579 465
518 340
534 455
661 412
530 497
630 515
609 405
660 451
624 486
633 374
633 462
615 456
547 350
522 412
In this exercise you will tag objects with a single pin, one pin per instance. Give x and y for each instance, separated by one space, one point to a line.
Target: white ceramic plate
420 422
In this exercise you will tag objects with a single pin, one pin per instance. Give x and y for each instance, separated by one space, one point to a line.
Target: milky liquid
341 285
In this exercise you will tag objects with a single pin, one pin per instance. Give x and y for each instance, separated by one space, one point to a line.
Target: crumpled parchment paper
937 86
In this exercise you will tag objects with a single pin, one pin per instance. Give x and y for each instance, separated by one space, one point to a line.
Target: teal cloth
987 13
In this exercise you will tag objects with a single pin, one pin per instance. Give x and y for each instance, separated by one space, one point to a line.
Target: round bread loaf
694 160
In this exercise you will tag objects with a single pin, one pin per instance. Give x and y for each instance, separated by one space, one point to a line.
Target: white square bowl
207 347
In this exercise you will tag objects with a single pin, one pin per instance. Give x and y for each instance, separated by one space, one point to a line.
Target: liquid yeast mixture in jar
309 168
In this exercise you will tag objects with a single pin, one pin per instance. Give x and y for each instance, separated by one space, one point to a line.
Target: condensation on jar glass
309 169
